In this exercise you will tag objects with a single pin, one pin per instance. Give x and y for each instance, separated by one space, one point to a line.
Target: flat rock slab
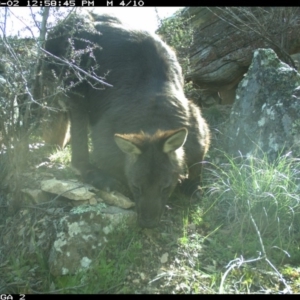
35 195
116 199
68 189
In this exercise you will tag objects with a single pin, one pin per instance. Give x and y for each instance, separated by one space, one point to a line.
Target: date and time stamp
69 3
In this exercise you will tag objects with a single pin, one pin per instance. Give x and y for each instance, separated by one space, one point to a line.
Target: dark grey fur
146 106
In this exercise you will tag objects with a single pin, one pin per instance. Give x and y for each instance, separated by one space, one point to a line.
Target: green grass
255 203
241 238
250 213
62 156
109 272
268 191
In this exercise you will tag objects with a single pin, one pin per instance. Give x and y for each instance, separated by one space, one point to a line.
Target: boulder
225 39
82 234
266 112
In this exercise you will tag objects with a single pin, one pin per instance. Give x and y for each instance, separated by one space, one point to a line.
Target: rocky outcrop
72 222
68 189
82 234
266 113
225 39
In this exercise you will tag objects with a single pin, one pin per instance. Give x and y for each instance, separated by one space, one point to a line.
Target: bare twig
238 262
27 27
33 18
77 68
262 24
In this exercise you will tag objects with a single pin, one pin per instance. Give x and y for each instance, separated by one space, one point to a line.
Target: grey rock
82 234
116 199
35 196
68 189
266 112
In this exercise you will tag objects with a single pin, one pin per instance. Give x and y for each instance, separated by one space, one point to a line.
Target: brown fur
144 140
146 109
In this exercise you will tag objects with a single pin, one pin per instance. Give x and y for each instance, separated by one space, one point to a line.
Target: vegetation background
242 238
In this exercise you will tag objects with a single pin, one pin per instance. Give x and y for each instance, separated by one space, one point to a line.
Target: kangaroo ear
175 140
126 145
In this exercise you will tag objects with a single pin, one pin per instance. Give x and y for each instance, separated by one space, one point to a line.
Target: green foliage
255 198
247 199
21 272
178 33
62 156
108 273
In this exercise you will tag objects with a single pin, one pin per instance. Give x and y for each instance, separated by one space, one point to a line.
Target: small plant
62 156
257 204
178 33
109 271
